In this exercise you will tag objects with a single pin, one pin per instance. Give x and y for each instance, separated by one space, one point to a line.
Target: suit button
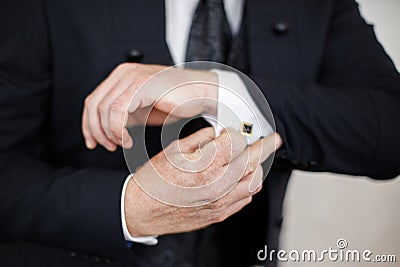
313 163
280 28
134 56
73 254
96 259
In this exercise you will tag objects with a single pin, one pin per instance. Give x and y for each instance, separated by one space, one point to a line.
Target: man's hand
195 182
129 91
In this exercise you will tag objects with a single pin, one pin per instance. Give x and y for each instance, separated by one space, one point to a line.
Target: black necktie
210 37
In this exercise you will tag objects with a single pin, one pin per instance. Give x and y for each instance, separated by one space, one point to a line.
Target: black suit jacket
334 93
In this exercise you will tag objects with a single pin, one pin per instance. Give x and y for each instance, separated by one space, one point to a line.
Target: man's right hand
195 182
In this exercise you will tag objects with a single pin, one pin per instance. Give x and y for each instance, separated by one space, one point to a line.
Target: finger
119 116
108 99
112 79
242 189
135 103
232 209
154 117
127 141
97 131
254 155
226 147
230 187
91 124
145 95
257 179
263 148
247 164
190 143
215 155
196 140
139 117
237 206
89 140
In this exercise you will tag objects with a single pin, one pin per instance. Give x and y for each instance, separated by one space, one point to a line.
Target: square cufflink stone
246 128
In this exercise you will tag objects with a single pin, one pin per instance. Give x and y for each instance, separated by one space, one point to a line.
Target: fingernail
127 143
255 188
255 185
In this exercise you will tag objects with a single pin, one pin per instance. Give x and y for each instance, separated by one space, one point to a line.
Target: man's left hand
128 94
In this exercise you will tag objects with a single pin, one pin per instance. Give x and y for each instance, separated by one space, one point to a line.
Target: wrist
130 211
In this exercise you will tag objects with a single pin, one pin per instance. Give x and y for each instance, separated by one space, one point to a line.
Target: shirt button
134 56
280 28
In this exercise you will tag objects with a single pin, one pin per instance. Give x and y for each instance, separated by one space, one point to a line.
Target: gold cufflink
246 128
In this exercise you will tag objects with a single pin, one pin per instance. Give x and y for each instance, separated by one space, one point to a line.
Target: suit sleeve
78 209
347 121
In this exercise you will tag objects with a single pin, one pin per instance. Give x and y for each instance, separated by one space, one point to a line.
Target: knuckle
252 164
140 80
183 142
97 135
220 218
218 205
236 137
116 128
183 145
220 158
225 141
259 189
216 191
208 179
117 107
88 101
103 107
124 66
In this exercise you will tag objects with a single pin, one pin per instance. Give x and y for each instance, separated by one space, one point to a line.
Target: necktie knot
210 37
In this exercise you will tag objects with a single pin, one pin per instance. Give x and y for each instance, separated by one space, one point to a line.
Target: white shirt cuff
236 107
146 240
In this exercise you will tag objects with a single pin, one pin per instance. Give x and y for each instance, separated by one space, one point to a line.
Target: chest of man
90 38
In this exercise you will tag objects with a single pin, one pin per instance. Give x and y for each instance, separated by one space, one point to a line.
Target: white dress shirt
179 15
